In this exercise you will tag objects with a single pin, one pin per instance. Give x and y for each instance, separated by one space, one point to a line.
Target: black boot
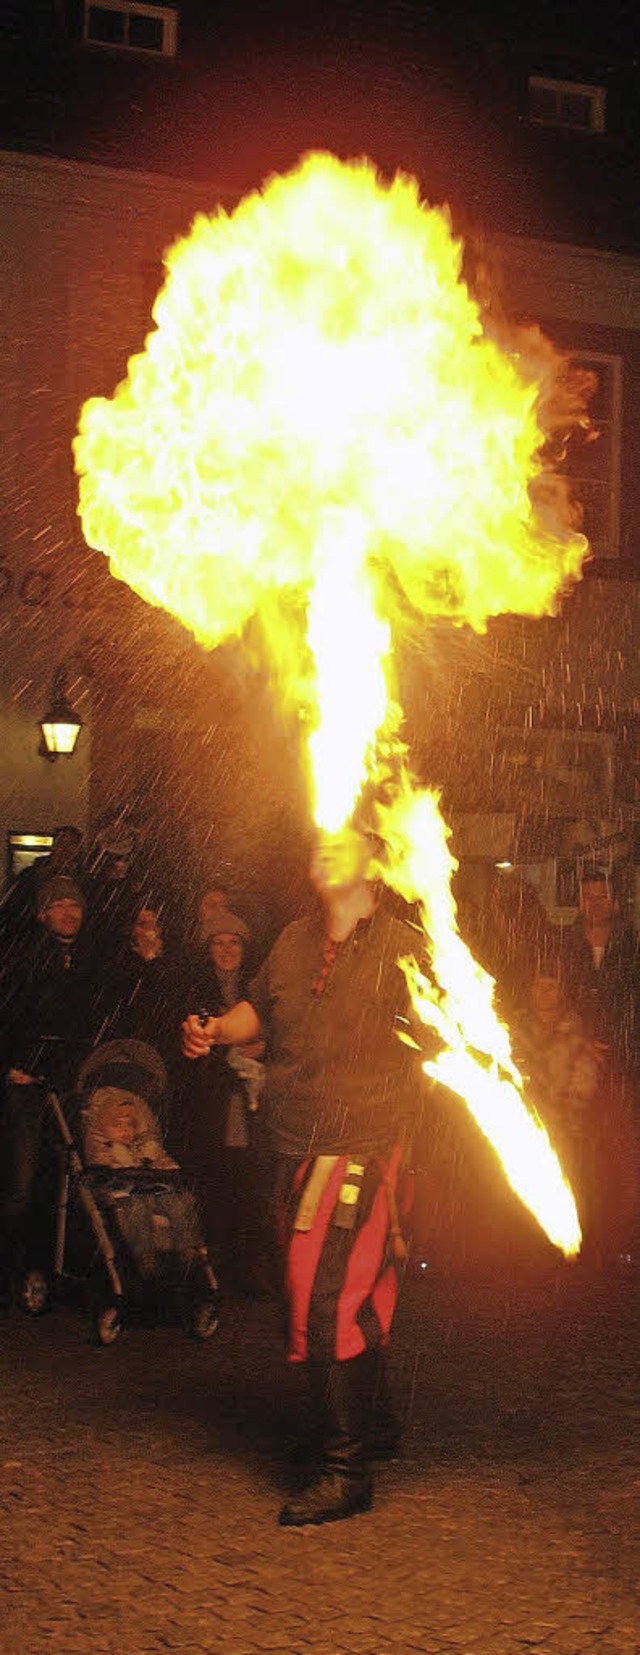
343 1484
307 1456
382 1433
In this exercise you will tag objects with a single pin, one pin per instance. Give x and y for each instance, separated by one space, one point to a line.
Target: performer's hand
19 1078
198 1038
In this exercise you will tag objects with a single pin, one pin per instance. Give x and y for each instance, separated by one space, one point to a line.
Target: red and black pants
341 1279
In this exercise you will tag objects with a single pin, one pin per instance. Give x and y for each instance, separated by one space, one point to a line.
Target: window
131 26
25 848
594 467
566 103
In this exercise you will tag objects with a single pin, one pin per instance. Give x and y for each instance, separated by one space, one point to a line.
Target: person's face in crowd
546 995
146 934
340 861
117 869
63 918
65 852
597 903
227 951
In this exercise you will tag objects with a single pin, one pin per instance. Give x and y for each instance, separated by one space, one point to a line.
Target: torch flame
321 416
475 1061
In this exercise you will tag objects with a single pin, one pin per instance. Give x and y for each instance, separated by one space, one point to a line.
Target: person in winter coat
54 1009
222 1101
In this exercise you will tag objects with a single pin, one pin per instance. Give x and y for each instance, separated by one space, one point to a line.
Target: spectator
211 904
19 907
53 1011
601 964
113 888
223 1102
511 931
122 1134
584 1108
142 984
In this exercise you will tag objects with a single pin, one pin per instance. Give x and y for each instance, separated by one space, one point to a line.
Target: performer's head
341 861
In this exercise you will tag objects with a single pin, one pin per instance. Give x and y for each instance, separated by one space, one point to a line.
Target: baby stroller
142 1217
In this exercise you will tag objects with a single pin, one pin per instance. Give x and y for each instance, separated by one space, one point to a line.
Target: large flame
319 424
316 353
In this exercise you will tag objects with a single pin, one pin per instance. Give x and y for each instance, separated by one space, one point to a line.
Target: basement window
566 103
131 26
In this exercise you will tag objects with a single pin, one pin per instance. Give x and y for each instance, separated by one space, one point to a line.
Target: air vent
566 103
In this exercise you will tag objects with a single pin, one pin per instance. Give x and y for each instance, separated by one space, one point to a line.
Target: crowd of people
295 1106
571 999
90 954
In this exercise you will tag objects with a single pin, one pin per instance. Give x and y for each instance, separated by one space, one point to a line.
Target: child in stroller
121 1134
144 1219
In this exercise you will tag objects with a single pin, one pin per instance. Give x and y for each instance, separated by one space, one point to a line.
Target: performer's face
339 861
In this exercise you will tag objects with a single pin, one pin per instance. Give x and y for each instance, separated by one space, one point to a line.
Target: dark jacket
206 1087
607 996
143 1000
338 1077
54 1009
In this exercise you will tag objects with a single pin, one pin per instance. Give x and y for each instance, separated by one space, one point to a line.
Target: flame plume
317 353
319 415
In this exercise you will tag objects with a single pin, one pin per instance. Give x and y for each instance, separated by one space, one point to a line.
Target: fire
350 647
320 425
475 1061
316 355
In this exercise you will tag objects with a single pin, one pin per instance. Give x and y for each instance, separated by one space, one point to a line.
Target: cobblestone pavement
140 1486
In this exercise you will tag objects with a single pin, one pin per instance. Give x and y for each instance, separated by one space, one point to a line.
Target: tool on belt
344 1215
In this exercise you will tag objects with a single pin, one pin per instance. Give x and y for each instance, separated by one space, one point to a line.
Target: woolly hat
223 923
60 888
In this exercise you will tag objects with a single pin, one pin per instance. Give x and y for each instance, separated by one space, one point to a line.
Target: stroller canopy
129 1064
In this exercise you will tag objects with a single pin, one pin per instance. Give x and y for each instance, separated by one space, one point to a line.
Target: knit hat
60 888
223 923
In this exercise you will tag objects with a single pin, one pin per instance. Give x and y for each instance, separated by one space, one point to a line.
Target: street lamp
60 726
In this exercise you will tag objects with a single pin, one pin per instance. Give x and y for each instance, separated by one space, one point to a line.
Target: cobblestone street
140 1485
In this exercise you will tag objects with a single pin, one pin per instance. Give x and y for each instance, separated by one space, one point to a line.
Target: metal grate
566 103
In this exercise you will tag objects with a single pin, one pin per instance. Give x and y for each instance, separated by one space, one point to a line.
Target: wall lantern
60 726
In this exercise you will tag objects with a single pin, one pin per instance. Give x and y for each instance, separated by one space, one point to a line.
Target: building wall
84 263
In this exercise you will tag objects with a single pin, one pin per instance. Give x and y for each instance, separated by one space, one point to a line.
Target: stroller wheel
34 1293
108 1325
205 1320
